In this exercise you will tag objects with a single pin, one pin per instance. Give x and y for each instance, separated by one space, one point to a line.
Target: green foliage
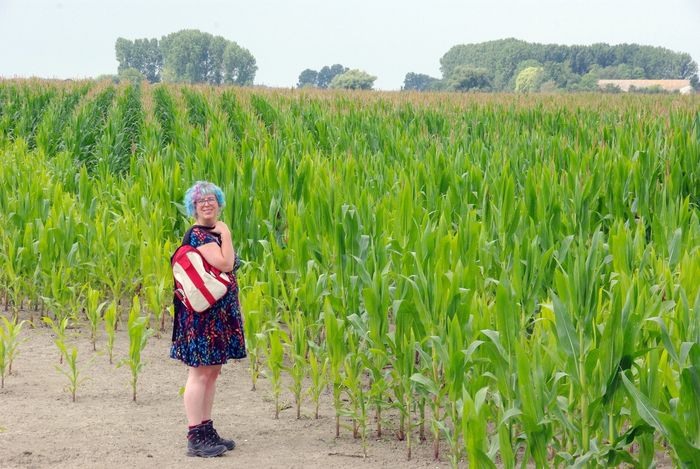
110 324
139 332
186 56
140 55
480 270
93 313
59 329
565 65
353 80
9 341
297 350
72 373
322 78
327 74
464 78
130 75
529 79
419 82
308 78
192 56
275 361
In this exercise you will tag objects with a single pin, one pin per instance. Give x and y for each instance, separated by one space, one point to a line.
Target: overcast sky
75 38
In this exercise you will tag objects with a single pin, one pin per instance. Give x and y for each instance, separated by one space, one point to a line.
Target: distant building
682 86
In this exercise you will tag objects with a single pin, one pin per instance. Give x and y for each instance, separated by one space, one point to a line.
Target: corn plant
255 329
560 231
72 373
139 332
59 329
9 335
3 361
355 391
93 313
110 326
335 341
275 361
9 341
318 373
297 348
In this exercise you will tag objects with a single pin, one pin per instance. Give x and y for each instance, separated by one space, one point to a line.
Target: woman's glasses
207 201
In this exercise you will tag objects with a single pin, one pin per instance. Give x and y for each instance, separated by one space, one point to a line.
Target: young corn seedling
430 384
355 390
72 373
454 361
335 342
110 325
473 430
9 336
3 361
139 332
59 329
297 350
318 372
93 312
156 301
255 333
275 360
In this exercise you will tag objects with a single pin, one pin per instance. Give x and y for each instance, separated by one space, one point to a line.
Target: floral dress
215 335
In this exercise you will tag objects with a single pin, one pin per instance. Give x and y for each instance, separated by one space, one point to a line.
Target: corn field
512 279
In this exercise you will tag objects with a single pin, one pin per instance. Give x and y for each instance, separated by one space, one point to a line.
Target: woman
204 341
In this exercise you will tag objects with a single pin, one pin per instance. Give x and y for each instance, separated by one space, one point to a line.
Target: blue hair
199 190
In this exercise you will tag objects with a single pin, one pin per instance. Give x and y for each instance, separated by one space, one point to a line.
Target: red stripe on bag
199 283
196 276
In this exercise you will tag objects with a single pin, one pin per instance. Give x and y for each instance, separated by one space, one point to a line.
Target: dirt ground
41 427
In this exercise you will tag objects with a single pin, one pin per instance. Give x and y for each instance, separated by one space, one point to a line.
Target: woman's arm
220 257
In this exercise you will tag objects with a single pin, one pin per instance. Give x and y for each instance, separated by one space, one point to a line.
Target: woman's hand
222 257
221 228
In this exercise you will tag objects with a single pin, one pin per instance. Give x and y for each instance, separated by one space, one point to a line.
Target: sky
75 38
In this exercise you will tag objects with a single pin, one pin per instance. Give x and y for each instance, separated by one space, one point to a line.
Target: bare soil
40 426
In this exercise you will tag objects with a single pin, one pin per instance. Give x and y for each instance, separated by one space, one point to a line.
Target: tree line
186 56
192 56
515 65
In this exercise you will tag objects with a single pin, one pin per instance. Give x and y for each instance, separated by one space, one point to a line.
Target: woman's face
206 209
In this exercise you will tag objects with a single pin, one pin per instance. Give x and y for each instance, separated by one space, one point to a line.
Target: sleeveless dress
212 336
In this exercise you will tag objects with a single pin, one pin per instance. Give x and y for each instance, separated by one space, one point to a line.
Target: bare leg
210 391
195 392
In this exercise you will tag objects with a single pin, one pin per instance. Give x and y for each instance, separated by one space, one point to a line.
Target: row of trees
193 56
336 76
186 56
500 65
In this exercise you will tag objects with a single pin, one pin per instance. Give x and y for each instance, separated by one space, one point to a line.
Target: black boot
200 443
209 425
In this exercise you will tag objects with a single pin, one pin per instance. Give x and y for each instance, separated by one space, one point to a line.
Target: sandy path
41 427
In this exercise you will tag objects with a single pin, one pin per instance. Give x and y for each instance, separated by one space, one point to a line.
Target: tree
561 74
353 80
326 74
695 82
529 79
239 65
308 77
188 56
141 54
418 82
565 65
465 78
131 75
